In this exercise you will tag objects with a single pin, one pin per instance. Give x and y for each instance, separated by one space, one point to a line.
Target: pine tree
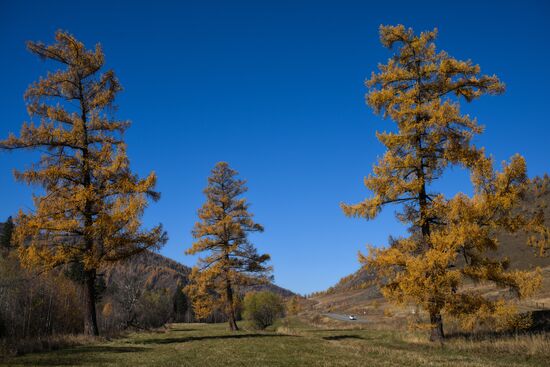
419 89
6 235
231 260
90 212
180 305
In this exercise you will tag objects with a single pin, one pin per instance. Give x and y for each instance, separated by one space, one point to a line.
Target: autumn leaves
90 211
91 208
419 89
231 261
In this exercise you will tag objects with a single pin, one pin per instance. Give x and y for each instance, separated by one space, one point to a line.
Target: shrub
262 308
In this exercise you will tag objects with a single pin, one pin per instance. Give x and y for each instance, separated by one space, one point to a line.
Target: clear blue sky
276 89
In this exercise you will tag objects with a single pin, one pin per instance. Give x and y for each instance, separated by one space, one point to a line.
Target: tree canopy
91 208
231 260
419 89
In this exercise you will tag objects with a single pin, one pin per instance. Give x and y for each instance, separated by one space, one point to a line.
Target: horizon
285 83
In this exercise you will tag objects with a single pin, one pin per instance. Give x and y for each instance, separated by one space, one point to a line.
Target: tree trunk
90 317
230 308
436 323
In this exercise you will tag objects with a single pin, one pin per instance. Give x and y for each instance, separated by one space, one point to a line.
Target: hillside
148 290
156 272
354 294
145 290
153 270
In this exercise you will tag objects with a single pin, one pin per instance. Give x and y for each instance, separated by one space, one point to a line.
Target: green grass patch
293 344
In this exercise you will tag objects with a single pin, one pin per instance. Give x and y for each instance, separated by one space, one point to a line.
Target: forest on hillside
143 292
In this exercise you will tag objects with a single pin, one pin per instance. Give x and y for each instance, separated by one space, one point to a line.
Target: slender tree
91 208
6 234
231 260
419 89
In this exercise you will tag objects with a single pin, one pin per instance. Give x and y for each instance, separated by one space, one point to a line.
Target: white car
351 317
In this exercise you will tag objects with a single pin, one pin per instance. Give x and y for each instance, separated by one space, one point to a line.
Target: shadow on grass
335 329
74 356
104 349
342 337
186 339
182 329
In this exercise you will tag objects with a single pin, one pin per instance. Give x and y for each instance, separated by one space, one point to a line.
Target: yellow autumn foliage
230 261
419 89
91 207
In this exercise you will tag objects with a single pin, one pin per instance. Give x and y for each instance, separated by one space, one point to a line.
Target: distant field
295 344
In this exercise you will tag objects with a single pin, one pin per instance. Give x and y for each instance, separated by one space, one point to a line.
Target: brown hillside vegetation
156 271
356 293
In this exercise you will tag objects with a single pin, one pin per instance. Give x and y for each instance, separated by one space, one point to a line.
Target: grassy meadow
292 343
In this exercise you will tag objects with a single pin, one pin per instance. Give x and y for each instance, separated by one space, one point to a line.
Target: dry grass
9 347
528 344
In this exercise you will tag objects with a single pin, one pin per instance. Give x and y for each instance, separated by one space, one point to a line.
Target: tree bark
90 318
231 318
436 323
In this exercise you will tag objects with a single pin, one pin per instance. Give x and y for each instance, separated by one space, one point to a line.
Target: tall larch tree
419 89
231 261
91 207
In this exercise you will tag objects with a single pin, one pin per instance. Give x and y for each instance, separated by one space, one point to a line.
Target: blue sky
276 89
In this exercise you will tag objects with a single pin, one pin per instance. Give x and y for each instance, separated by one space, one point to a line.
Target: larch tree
90 210
231 260
450 240
540 230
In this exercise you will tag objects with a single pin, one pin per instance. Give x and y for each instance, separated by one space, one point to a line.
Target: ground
293 344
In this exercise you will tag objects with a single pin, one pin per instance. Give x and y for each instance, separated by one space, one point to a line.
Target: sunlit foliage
263 308
231 261
419 89
90 209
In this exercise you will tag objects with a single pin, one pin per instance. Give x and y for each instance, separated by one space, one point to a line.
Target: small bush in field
262 308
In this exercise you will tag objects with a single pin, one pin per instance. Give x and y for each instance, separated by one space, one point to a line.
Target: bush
262 308
154 308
